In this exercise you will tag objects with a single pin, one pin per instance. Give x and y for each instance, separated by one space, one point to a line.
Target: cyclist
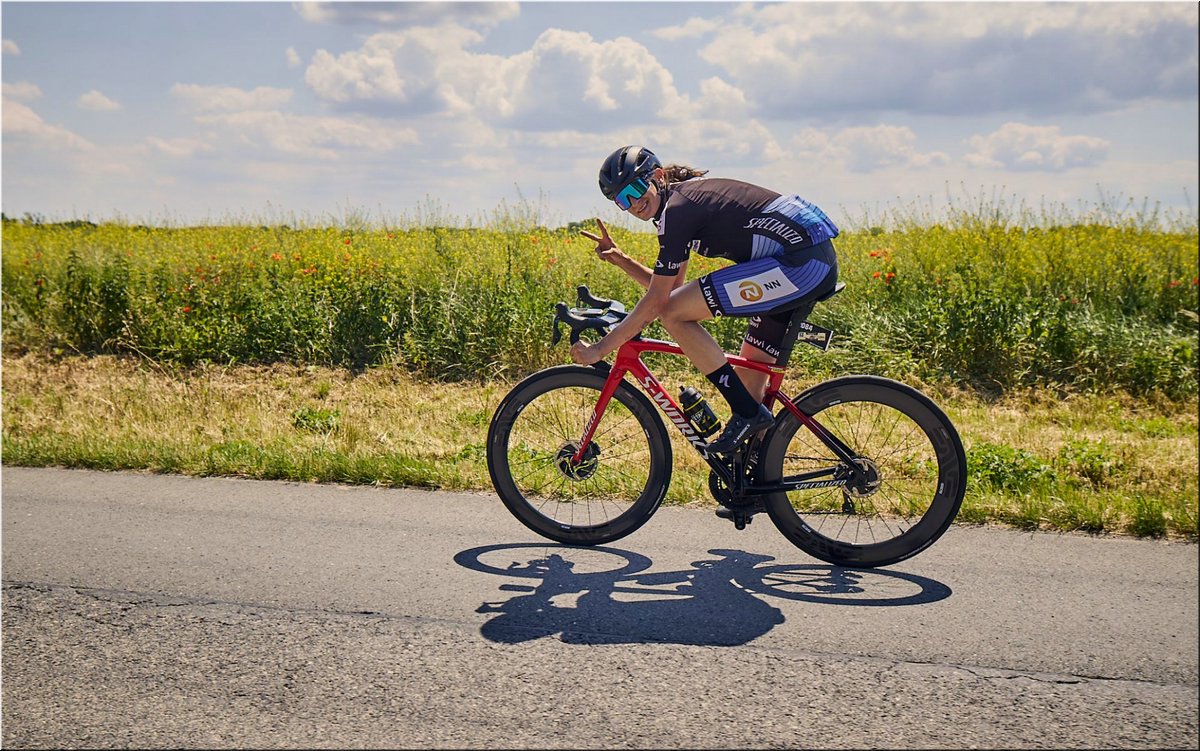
783 260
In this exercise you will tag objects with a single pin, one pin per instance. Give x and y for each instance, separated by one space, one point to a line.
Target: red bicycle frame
629 360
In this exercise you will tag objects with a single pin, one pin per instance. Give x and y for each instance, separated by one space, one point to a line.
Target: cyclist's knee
685 306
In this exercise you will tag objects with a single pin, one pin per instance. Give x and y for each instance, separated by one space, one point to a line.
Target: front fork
606 394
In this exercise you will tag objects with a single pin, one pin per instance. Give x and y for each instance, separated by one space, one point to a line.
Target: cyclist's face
646 207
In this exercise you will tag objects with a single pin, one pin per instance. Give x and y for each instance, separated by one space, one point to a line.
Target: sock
734 391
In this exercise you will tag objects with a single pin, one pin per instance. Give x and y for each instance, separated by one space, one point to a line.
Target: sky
457 112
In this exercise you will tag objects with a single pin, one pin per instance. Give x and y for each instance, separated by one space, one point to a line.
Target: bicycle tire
613 492
903 437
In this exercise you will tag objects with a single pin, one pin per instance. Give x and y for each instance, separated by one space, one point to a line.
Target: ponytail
677 173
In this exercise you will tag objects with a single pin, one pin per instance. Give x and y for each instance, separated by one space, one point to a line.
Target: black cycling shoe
739 429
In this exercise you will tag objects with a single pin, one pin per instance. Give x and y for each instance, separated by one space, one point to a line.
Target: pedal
740 517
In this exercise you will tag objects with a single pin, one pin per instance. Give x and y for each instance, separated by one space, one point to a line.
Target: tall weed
978 299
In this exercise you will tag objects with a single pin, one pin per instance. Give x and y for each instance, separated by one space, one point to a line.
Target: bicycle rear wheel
624 473
910 472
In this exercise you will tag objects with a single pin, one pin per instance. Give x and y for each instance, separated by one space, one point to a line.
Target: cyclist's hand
585 354
605 247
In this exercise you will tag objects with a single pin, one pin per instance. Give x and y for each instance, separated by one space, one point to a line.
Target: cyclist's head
625 174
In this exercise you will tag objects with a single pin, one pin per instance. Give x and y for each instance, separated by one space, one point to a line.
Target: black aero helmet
625 165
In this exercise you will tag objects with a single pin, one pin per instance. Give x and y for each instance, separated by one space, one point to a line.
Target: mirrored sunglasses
631 193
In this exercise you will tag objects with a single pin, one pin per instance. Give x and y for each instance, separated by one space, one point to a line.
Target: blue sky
208 112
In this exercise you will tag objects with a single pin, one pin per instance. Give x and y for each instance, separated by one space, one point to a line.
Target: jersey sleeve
676 229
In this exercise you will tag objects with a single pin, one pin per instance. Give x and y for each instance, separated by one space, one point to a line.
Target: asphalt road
165 612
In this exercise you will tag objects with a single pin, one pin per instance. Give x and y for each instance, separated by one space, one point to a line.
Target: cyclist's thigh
687 304
765 284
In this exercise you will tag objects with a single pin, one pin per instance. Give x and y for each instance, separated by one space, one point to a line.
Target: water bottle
697 411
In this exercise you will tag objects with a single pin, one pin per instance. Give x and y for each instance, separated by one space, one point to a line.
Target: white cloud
408 13
97 102
719 98
178 147
566 80
11 48
23 123
229 99
569 80
293 57
1026 147
690 29
397 68
865 149
23 90
957 58
316 137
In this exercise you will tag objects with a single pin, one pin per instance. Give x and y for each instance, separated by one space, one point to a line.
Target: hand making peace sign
604 244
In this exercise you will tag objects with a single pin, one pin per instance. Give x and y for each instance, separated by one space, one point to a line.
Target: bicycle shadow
598 595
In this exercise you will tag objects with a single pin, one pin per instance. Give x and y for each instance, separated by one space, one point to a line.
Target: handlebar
601 316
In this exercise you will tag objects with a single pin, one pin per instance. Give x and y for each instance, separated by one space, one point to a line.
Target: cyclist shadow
597 595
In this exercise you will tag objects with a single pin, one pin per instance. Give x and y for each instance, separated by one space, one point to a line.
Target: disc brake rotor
587 465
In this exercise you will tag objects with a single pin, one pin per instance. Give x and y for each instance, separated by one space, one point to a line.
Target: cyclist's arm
635 269
607 250
647 310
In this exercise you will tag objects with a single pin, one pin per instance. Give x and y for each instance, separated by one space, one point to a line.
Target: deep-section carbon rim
910 473
624 473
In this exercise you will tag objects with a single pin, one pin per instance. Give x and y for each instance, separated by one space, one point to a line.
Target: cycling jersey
723 218
780 245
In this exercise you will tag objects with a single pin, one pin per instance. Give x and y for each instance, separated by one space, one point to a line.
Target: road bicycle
857 471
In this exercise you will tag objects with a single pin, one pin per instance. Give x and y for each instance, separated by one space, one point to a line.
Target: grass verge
1038 460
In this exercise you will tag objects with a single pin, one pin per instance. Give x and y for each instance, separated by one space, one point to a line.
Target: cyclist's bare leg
681 320
756 381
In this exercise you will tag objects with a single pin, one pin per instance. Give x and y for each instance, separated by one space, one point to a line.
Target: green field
1065 348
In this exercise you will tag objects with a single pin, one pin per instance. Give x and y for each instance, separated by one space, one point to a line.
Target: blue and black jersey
723 218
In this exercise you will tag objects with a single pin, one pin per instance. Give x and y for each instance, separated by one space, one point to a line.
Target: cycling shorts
771 291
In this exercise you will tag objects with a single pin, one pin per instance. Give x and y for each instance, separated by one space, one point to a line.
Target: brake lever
577 324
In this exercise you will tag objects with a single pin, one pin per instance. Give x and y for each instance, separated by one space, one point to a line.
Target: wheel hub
866 479
587 465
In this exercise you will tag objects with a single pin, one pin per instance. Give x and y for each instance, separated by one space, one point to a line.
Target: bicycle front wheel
908 476
534 435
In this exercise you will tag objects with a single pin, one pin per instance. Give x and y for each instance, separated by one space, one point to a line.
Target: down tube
663 400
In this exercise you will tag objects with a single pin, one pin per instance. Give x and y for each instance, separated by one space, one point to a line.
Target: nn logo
753 291
750 291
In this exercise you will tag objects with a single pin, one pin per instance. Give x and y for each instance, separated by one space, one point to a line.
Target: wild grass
978 301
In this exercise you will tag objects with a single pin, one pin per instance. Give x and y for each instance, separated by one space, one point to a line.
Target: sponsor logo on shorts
750 291
762 344
770 285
